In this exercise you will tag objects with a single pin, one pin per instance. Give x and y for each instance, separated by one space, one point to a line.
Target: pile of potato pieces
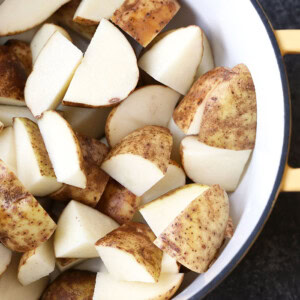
136 173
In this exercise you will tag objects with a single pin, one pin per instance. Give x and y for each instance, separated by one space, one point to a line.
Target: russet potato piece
72 284
93 152
34 168
24 224
5 258
143 19
141 159
129 254
65 263
118 202
8 148
37 263
195 235
229 231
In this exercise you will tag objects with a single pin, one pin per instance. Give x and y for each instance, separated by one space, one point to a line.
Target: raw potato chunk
13 78
8 149
229 117
79 228
7 113
162 211
51 75
169 264
5 258
229 231
64 264
115 289
34 168
92 265
141 159
90 12
144 19
42 36
210 165
195 235
98 80
73 284
118 202
63 149
24 224
26 14
129 254
149 105
36 263
93 152
12 289
173 59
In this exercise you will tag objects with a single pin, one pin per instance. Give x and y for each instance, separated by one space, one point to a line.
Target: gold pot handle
289 43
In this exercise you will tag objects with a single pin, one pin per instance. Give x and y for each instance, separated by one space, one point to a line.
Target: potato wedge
92 265
24 224
143 19
8 148
129 254
118 202
5 258
229 231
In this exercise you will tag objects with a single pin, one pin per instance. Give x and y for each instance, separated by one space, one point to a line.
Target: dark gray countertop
271 269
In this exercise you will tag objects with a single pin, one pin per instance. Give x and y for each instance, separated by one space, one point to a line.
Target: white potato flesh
92 11
8 149
86 121
63 149
108 72
37 263
174 59
149 105
123 265
78 229
34 168
169 264
134 172
51 75
7 113
94 265
178 135
12 289
26 14
162 211
107 287
5 258
42 36
210 165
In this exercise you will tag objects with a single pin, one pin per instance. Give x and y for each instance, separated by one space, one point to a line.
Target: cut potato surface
141 159
63 149
94 265
129 254
174 59
78 229
37 263
210 165
24 224
7 113
34 168
143 19
149 105
196 234
98 80
115 289
12 289
162 211
5 258
42 36
51 75
8 148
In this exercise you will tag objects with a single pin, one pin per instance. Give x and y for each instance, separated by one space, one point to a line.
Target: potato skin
144 19
24 224
118 202
93 152
71 285
196 234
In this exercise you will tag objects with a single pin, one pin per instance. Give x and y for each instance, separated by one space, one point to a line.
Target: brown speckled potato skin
195 236
71 285
13 75
144 19
93 152
118 202
137 240
153 143
229 118
229 231
24 224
